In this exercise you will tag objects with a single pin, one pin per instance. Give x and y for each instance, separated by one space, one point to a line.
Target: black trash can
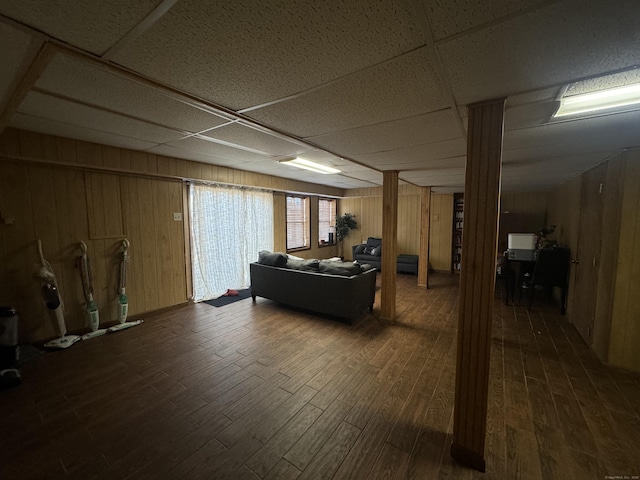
9 352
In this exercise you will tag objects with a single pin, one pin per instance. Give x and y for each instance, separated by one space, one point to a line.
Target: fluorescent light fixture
309 165
600 100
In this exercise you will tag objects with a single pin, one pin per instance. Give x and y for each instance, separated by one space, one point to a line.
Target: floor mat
222 301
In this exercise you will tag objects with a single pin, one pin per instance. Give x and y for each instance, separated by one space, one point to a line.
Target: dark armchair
370 252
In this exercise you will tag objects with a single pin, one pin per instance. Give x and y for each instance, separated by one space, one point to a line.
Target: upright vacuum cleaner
123 301
53 301
93 315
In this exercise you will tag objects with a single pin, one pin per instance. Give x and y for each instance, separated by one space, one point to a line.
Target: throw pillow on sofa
365 267
273 259
346 269
309 265
360 248
377 251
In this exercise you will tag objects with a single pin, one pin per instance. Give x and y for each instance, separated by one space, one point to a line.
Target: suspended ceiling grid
363 86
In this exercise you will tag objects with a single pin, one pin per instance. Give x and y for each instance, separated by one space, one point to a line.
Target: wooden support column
477 281
423 263
389 244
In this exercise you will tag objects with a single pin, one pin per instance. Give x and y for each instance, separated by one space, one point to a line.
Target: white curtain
229 226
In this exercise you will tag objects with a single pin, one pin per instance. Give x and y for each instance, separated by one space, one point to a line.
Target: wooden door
587 257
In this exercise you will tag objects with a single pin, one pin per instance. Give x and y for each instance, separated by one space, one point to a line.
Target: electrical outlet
177 217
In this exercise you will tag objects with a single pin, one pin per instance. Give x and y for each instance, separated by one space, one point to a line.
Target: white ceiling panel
418 153
450 17
354 78
257 140
88 83
15 46
403 87
529 115
429 179
565 41
51 108
92 26
198 145
603 132
248 52
172 151
395 134
51 127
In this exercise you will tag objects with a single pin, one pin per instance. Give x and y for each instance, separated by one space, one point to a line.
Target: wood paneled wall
441 232
64 191
366 204
616 330
625 324
521 212
62 207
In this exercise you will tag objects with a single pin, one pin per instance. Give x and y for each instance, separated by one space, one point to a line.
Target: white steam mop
53 301
93 314
123 301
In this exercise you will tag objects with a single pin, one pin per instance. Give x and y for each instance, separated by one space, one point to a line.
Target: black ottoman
407 264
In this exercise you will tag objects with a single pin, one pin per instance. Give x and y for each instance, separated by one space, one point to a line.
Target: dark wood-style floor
251 391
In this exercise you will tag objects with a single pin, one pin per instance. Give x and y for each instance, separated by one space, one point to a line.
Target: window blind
297 222
326 220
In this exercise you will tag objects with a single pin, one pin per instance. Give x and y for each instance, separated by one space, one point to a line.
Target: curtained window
326 221
298 223
229 226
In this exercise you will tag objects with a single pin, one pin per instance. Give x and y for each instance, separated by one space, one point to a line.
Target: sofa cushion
273 259
377 251
360 248
309 265
365 267
362 258
346 269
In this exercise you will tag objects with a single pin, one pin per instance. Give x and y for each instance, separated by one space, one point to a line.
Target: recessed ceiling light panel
309 165
599 100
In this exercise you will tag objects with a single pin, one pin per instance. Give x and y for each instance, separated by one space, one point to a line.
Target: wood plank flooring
259 391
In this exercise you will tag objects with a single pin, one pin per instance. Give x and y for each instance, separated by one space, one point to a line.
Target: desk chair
551 269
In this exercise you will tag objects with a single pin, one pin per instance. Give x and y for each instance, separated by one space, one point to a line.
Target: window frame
306 222
331 224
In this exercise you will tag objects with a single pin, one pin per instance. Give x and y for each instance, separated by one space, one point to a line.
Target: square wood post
389 244
477 281
425 219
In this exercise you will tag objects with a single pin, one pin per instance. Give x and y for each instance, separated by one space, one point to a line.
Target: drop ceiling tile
450 17
172 151
93 85
395 134
619 79
551 46
56 109
543 95
198 145
91 26
244 53
419 153
51 127
530 114
239 134
579 135
428 179
403 87
15 47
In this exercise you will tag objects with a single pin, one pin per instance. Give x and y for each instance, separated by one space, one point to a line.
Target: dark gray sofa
338 295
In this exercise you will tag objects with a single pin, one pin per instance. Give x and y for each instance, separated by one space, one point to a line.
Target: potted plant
344 224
